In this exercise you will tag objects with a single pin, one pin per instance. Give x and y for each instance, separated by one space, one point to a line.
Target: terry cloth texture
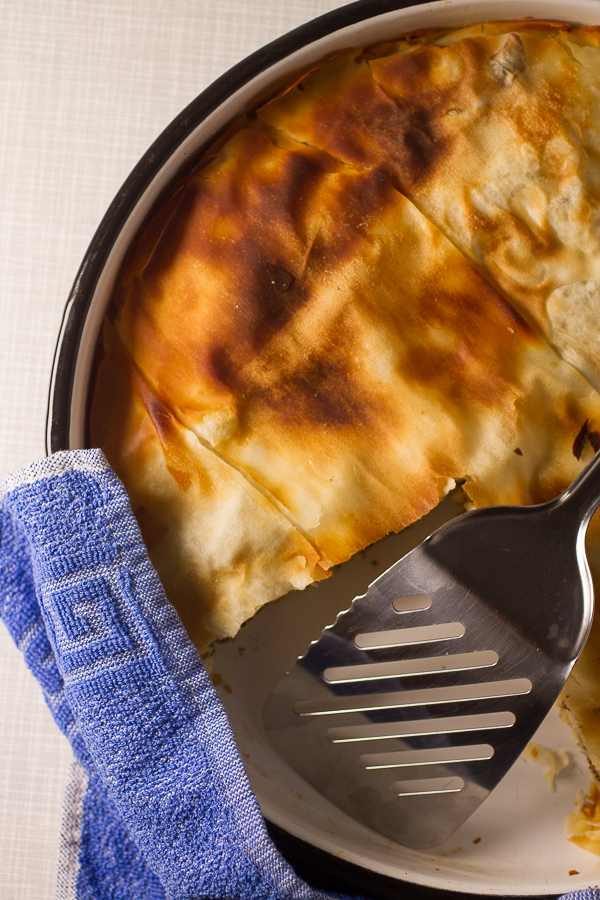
158 804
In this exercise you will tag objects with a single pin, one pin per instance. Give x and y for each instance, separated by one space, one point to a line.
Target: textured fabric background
85 87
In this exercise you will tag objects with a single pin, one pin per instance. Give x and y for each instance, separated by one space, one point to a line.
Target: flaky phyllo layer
385 278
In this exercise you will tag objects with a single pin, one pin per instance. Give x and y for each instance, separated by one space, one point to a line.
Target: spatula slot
420 728
430 757
428 786
402 637
458 662
412 603
398 699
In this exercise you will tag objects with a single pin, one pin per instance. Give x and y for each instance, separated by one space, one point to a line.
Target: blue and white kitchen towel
159 805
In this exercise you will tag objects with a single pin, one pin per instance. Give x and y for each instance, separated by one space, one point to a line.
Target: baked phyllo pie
383 281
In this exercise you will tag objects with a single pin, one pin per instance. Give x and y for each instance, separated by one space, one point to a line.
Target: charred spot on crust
270 311
280 279
222 367
295 177
518 451
421 143
270 250
319 393
594 439
415 136
579 442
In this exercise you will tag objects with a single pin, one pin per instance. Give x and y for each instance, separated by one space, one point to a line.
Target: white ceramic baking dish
515 845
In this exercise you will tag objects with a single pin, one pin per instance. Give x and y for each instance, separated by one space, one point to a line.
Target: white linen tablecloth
86 86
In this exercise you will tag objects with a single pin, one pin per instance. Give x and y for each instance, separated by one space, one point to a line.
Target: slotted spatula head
412 707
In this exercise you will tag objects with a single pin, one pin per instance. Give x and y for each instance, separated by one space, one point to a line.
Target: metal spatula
411 708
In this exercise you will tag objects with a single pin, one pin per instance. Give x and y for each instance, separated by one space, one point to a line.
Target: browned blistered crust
493 138
384 279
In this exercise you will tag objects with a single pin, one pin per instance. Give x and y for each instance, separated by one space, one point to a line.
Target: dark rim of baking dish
316 866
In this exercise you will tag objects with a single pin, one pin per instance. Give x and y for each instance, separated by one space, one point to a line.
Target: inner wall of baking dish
307 815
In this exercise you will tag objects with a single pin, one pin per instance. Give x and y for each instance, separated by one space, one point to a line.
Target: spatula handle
583 495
